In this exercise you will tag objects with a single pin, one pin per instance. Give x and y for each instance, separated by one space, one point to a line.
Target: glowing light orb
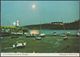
33 6
14 23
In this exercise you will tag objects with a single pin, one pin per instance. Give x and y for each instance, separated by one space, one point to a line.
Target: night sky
44 12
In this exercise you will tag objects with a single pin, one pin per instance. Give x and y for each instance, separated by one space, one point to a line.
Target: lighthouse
17 23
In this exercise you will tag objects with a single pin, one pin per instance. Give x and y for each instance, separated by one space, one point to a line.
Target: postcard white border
39 54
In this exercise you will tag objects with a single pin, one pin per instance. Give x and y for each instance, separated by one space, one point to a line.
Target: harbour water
59 31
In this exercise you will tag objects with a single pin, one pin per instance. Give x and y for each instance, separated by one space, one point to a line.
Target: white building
17 23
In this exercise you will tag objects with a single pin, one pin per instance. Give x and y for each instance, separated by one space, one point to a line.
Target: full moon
33 6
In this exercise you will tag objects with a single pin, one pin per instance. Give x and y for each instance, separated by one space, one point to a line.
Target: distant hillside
56 25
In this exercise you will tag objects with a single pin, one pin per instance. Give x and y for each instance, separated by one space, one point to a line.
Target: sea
73 32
